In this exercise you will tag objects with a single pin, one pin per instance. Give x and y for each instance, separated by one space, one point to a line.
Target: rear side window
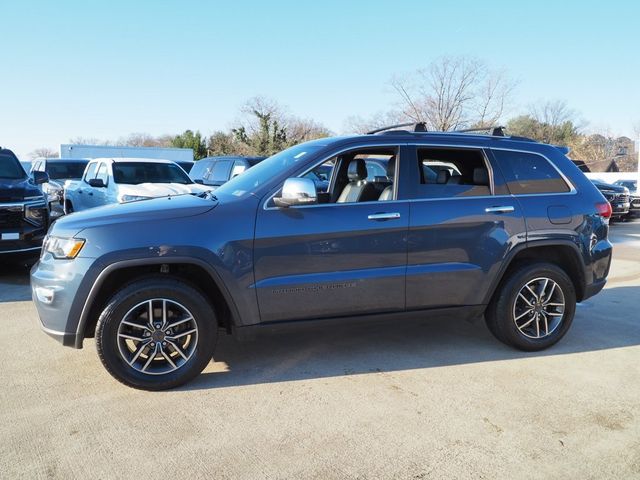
451 172
528 173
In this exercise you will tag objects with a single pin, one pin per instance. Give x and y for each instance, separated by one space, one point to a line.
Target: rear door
463 223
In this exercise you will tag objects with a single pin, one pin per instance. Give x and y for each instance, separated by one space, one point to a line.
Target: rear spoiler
565 150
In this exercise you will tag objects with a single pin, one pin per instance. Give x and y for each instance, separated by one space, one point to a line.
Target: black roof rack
417 127
495 131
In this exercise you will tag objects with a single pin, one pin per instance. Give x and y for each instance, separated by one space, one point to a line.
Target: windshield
267 169
10 167
65 170
133 173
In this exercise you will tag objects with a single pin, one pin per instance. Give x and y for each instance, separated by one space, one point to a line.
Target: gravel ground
425 399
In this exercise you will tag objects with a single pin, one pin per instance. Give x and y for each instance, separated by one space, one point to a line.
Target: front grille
622 197
11 217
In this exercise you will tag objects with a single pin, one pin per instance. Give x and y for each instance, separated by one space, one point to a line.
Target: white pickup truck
121 180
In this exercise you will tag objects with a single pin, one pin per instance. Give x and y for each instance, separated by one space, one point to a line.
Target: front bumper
58 289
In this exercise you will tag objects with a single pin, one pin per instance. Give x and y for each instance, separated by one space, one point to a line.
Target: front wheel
533 308
156 333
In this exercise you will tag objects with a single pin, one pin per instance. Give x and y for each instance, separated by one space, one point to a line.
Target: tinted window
529 173
133 173
10 167
449 172
219 171
65 170
102 173
91 172
199 169
238 168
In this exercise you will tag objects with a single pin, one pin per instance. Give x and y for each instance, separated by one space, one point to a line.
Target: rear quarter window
529 173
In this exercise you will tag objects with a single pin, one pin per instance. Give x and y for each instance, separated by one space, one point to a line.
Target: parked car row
624 205
35 193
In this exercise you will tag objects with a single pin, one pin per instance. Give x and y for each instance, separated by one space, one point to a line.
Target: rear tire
523 315
156 333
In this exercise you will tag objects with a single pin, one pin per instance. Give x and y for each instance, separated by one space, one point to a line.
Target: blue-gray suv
460 224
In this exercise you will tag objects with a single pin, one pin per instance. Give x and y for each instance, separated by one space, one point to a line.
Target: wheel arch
192 270
564 254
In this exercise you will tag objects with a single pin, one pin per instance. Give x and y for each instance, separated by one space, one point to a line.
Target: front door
332 259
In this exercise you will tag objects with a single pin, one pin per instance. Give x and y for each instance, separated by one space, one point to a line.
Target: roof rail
417 127
495 131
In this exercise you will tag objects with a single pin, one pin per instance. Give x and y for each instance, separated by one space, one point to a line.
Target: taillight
604 209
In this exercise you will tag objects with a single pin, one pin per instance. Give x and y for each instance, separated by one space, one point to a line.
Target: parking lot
425 399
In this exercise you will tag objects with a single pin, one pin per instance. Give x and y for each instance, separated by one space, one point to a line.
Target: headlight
36 214
132 198
63 247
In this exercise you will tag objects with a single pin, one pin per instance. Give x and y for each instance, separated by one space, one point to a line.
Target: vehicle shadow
14 281
605 322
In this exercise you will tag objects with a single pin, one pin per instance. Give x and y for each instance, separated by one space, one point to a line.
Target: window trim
572 188
84 177
397 145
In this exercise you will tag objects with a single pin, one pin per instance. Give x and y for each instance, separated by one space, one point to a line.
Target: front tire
156 333
533 308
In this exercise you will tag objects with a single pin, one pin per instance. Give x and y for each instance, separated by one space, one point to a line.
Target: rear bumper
594 288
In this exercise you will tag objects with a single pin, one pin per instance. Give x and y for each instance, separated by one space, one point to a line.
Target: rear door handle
384 216
502 209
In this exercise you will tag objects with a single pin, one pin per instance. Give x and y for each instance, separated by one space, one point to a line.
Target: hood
610 187
157 209
154 190
15 190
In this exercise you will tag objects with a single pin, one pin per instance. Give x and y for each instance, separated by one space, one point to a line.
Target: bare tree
553 113
357 124
43 152
454 92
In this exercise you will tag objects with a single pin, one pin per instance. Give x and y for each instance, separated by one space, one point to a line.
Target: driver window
365 175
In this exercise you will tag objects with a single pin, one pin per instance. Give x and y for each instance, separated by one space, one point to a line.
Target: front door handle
384 216
502 209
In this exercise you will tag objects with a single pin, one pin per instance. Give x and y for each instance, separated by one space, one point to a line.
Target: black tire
68 207
500 312
143 290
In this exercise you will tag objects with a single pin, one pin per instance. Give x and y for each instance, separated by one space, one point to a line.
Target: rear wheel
533 308
156 334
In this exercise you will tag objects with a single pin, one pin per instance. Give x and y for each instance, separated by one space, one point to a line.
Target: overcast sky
107 69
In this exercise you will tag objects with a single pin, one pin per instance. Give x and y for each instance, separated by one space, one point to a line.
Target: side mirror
40 177
97 183
198 180
297 191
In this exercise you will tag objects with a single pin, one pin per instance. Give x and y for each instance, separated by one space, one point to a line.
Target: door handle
502 209
79 191
384 216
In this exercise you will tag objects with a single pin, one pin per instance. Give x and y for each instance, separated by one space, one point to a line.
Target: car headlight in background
132 198
61 247
36 213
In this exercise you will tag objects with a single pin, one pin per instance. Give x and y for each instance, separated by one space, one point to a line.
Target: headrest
480 176
443 176
391 167
357 170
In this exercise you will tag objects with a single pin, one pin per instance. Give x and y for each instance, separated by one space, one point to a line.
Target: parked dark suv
617 195
24 215
466 225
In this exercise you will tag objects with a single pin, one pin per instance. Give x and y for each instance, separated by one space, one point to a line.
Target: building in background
110 151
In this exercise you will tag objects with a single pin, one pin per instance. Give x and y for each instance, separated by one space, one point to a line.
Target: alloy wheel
157 336
539 308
